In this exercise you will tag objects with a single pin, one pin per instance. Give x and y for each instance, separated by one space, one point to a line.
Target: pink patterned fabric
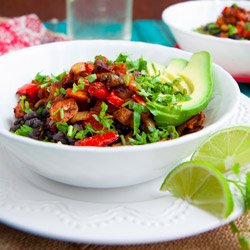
25 31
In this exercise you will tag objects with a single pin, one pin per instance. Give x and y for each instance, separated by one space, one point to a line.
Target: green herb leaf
24 130
62 126
247 202
122 58
234 228
232 30
244 242
25 105
236 168
91 78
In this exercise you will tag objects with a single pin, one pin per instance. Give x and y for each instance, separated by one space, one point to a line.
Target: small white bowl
102 167
183 18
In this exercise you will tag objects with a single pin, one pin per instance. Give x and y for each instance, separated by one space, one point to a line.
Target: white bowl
183 18
102 167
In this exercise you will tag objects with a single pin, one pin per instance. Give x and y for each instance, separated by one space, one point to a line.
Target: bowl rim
194 34
135 148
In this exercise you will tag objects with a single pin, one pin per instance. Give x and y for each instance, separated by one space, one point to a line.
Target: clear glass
99 19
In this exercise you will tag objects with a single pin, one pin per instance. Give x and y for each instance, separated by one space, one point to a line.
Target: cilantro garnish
25 105
60 91
62 126
65 128
24 130
58 78
104 119
41 78
122 58
244 188
91 78
61 113
232 30
48 105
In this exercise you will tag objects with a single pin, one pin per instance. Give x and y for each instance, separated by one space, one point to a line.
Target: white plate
137 214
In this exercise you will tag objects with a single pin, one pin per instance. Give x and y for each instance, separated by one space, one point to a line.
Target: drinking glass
99 19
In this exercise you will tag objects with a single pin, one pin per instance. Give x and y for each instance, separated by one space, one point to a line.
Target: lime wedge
225 148
201 185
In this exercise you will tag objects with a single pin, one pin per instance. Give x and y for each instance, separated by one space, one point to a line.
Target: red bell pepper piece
29 90
94 123
137 98
89 68
98 140
98 90
114 99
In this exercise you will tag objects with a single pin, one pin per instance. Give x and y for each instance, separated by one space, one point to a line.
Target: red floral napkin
25 31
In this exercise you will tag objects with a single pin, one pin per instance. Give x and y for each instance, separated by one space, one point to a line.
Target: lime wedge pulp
225 148
201 185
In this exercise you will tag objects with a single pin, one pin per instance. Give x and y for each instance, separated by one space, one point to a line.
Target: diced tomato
114 99
138 99
98 90
30 90
98 140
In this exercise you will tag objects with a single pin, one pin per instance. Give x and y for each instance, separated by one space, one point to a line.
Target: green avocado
158 68
149 66
171 72
197 76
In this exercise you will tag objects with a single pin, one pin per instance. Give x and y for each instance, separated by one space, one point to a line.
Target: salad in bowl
114 103
156 103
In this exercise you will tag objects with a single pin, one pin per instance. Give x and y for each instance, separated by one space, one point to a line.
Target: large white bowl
183 18
102 167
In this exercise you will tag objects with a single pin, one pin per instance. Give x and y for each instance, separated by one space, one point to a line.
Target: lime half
225 148
201 185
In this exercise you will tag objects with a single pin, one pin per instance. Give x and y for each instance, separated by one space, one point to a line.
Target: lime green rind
224 148
201 185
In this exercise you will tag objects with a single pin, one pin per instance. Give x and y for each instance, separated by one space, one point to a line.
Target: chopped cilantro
232 30
24 130
25 105
91 78
60 91
122 58
62 126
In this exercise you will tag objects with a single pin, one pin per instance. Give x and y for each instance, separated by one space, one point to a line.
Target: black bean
34 134
60 137
34 123
31 115
18 121
14 127
45 113
79 127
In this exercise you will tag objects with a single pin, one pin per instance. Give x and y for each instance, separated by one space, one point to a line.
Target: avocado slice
158 68
197 74
171 72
